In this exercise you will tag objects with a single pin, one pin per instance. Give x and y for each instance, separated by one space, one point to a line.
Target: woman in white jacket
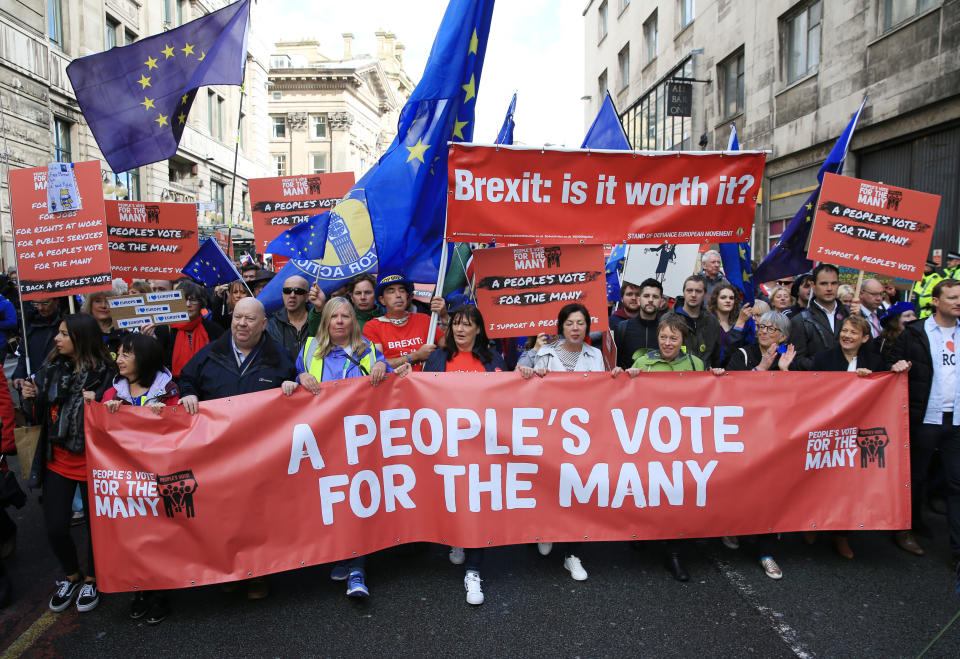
570 354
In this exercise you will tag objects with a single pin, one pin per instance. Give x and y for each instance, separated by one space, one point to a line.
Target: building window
650 38
602 85
111 27
280 164
685 12
623 67
802 32
173 12
279 127
646 122
318 126
215 115
55 22
61 137
217 196
318 163
730 72
128 37
602 21
281 62
126 185
897 11
623 5
774 231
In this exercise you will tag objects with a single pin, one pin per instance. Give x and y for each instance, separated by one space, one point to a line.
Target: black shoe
139 606
676 568
159 609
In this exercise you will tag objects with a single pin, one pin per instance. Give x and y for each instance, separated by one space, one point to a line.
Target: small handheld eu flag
210 266
306 240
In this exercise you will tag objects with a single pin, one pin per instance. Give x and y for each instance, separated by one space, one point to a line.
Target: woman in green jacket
671 333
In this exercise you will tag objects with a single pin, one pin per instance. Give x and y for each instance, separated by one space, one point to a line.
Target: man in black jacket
242 361
703 341
639 334
42 326
929 345
817 327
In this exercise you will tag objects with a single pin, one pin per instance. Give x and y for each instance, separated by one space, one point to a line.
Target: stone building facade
790 75
43 123
334 115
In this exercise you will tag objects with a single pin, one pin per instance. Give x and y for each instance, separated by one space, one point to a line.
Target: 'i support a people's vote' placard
65 252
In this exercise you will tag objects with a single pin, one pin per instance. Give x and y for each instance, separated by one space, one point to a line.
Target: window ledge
798 82
728 120
684 29
602 39
647 65
907 23
622 11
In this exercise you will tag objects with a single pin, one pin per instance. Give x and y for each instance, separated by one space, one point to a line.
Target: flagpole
16 259
236 155
441 275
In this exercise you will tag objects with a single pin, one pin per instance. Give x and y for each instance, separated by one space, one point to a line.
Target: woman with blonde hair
338 352
780 299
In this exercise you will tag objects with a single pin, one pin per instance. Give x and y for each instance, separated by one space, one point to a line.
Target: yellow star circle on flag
151 62
474 42
167 52
203 54
187 49
417 151
144 81
183 99
148 103
470 88
458 128
162 120
181 117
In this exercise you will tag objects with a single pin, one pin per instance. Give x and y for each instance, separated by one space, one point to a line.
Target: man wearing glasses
288 326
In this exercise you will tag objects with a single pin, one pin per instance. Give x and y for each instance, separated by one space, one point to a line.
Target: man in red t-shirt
399 334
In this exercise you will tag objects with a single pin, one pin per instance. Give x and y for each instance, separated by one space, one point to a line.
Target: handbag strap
356 362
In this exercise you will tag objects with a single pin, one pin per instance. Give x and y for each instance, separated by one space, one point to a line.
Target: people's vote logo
177 491
872 443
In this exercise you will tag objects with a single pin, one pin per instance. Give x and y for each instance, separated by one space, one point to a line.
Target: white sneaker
457 557
544 548
731 542
771 568
573 565
472 583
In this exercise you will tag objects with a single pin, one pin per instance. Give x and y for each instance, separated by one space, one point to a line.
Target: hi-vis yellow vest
315 366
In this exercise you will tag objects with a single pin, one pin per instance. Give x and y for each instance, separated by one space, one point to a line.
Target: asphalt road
884 603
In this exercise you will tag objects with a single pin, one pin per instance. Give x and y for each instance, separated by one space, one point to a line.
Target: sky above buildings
535 48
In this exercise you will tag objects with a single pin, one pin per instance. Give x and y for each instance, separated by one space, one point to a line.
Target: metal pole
236 155
434 318
16 260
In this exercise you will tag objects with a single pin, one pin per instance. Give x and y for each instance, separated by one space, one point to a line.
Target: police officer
953 266
923 289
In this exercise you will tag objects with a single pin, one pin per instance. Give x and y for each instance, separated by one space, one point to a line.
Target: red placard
150 240
282 202
477 460
516 194
872 226
60 253
520 290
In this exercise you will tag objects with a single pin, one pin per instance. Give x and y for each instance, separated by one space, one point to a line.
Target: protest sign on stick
487 459
520 195
158 308
60 253
520 290
668 263
150 240
873 226
282 202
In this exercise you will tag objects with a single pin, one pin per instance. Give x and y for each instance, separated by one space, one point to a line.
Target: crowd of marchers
373 328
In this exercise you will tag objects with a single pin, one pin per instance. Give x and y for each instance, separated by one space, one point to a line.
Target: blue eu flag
136 98
789 256
606 131
613 267
406 192
737 264
505 136
210 266
306 240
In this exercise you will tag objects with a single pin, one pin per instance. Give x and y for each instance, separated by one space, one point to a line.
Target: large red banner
476 460
60 253
520 290
150 240
282 202
521 195
873 226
